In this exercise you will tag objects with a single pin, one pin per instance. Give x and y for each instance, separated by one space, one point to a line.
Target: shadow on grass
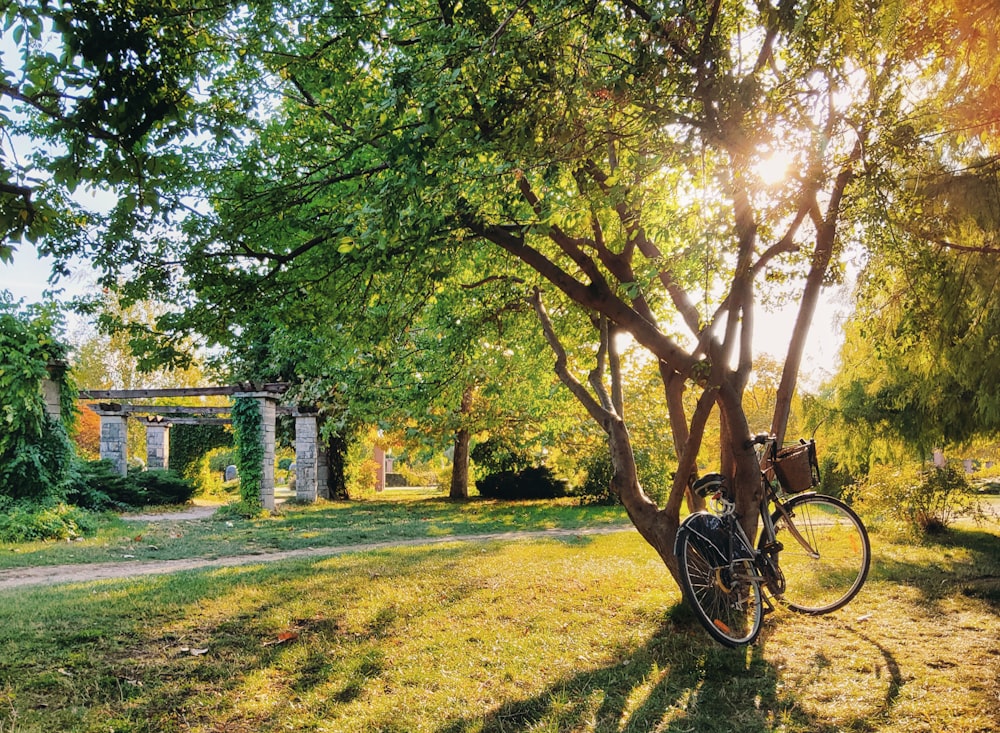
963 560
680 681
353 619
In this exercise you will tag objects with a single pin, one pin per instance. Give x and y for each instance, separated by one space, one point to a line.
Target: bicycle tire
730 610
833 575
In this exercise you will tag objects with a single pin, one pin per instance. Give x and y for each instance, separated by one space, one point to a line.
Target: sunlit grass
578 634
393 516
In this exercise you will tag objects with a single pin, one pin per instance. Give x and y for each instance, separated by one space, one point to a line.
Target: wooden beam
198 420
131 409
138 394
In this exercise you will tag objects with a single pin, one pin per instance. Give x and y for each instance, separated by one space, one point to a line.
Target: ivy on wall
35 450
247 421
188 443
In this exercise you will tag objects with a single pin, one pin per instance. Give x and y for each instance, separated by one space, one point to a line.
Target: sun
773 168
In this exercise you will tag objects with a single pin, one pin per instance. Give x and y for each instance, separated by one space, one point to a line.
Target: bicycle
812 556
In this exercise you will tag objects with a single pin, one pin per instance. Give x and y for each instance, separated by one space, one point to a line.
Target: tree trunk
460 463
336 463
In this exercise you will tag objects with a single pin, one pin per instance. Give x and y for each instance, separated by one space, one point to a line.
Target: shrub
161 487
25 521
190 443
596 486
98 486
910 499
536 482
497 456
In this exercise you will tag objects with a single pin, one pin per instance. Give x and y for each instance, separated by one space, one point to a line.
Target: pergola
114 408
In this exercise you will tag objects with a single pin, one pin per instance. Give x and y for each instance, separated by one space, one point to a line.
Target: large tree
620 153
99 96
927 306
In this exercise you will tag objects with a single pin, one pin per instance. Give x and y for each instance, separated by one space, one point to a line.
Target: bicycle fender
707 534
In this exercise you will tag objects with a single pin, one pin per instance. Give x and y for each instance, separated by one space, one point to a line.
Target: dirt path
195 512
56 574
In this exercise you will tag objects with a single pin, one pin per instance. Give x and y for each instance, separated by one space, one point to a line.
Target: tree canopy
649 171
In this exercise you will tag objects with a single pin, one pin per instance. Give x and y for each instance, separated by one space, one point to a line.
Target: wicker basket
796 467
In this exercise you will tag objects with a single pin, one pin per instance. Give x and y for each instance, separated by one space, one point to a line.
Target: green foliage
188 443
25 521
910 499
97 485
100 92
654 475
35 450
156 487
596 486
534 482
496 455
249 452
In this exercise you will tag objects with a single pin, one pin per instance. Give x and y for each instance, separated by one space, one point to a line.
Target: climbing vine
249 452
35 450
188 443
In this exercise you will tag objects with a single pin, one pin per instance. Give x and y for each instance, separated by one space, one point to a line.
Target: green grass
575 634
396 515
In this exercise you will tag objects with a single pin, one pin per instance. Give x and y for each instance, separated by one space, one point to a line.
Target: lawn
570 634
395 515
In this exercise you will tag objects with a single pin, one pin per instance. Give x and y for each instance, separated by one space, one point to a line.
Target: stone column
157 443
268 404
379 456
114 435
268 413
50 389
306 455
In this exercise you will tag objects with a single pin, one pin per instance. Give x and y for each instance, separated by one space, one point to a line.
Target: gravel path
56 574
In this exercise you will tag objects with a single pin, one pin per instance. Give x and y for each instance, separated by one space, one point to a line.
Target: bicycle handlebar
758 439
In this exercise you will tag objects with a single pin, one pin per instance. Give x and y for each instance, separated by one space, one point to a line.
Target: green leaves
34 449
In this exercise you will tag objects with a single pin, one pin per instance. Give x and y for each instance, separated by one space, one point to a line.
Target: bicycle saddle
708 484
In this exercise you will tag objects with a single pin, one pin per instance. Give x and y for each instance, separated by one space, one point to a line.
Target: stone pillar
50 389
267 403
306 455
157 442
379 456
268 413
114 435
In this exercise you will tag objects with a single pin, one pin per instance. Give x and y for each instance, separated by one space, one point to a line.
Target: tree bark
460 462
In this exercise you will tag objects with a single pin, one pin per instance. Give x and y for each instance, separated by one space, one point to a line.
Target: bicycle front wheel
726 599
825 553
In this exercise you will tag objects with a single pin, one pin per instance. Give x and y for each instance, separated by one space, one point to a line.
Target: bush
596 486
97 485
25 521
497 456
537 482
909 499
162 487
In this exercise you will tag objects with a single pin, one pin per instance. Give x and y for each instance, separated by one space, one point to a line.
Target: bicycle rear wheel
827 571
726 599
